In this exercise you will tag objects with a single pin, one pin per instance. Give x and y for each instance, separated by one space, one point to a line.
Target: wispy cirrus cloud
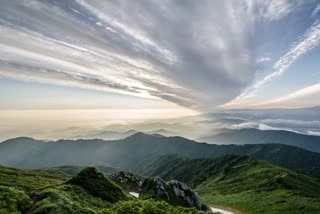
194 54
316 11
277 9
310 40
308 96
263 59
182 52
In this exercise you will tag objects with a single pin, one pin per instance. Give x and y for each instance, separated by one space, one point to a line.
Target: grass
26 191
67 199
262 188
13 200
98 185
29 180
64 170
38 192
269 202
148 207
243 183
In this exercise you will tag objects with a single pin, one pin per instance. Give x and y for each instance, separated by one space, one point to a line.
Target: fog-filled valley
229 167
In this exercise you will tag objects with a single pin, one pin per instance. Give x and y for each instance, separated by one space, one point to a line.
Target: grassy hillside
139 149
39 192
74 170
25 191
148 207
29 180
98 185
242 183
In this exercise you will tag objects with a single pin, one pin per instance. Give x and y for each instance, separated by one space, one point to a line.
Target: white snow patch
134 194
222 211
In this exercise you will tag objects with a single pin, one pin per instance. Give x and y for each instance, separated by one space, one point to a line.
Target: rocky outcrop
173 192
186 194
128 181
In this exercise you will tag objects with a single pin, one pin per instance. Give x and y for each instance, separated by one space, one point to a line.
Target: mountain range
136 150
256 136
304 114
117 135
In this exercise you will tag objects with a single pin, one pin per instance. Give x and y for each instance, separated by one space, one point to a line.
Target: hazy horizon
75 66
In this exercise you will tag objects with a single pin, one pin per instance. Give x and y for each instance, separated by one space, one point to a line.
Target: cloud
315 11
273 10
277 9
297 126
310 40
257 125
263 59
313 133
308 96
195 54
41 74
315 124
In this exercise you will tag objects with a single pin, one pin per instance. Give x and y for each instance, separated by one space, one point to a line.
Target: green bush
98 185
68 199
13 201
148 207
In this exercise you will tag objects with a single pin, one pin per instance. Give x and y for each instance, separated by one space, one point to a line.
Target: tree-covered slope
242 183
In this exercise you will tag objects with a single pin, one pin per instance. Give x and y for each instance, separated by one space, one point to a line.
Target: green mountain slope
98 185
40 192
242 183
29 180
139 149
74 170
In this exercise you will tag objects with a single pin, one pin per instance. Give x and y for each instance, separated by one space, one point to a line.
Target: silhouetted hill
135 151
256 136
108 135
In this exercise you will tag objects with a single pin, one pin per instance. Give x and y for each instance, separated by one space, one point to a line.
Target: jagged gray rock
173 192
183 191
127 180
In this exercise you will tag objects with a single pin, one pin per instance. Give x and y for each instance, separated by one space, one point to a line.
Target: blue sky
199 55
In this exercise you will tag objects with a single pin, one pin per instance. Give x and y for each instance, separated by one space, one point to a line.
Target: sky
186 57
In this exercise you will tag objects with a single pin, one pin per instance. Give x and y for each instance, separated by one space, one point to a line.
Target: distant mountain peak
21 139
139 135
